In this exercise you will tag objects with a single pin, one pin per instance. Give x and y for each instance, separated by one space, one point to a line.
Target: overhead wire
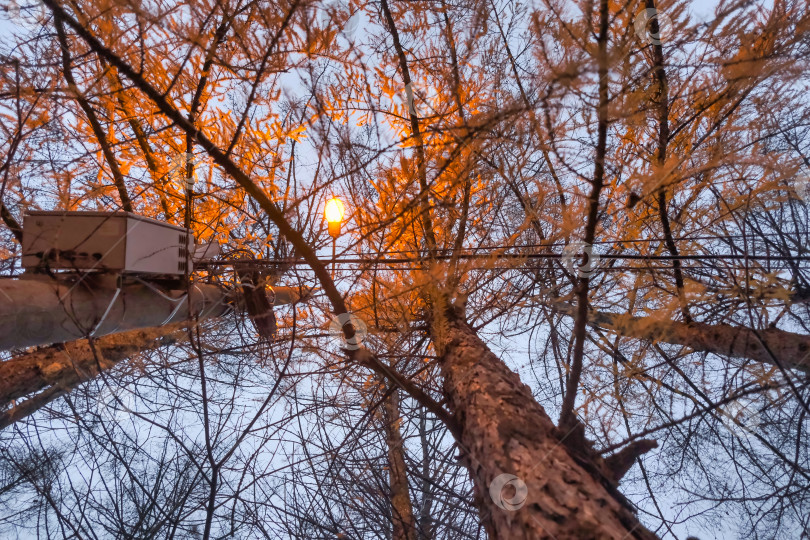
513 256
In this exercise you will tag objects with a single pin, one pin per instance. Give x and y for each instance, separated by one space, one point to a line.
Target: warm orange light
334 210
334 215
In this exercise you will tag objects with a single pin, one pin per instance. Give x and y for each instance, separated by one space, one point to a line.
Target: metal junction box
114 241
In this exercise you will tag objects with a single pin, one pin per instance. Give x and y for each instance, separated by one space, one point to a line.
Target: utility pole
116 276
90 274
40 309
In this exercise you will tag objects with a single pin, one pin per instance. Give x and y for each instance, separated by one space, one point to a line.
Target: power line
751 240
507 256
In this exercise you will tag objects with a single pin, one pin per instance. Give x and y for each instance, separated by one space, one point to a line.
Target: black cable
514 256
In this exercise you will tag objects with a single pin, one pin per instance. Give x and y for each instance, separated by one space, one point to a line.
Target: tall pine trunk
504 431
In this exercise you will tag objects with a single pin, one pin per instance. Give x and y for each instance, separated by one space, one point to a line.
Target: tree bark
404 524
770 346
425 517
11 223
66 366
257 304
505 431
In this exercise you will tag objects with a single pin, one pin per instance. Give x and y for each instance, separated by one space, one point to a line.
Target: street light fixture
333 212
334 215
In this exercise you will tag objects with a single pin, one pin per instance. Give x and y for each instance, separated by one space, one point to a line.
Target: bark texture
619 463
30 406
257 304
505 431
404 524
771 346
11 223
65 366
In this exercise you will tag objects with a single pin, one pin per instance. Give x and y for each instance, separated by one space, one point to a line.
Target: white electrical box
112 241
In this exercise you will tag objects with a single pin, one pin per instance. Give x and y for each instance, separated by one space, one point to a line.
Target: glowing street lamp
333 212
334 215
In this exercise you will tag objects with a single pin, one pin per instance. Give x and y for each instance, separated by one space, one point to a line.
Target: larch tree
570 300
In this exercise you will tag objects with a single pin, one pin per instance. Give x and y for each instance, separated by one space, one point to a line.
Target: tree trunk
66 366
771 346
557 494
401 507
425 516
